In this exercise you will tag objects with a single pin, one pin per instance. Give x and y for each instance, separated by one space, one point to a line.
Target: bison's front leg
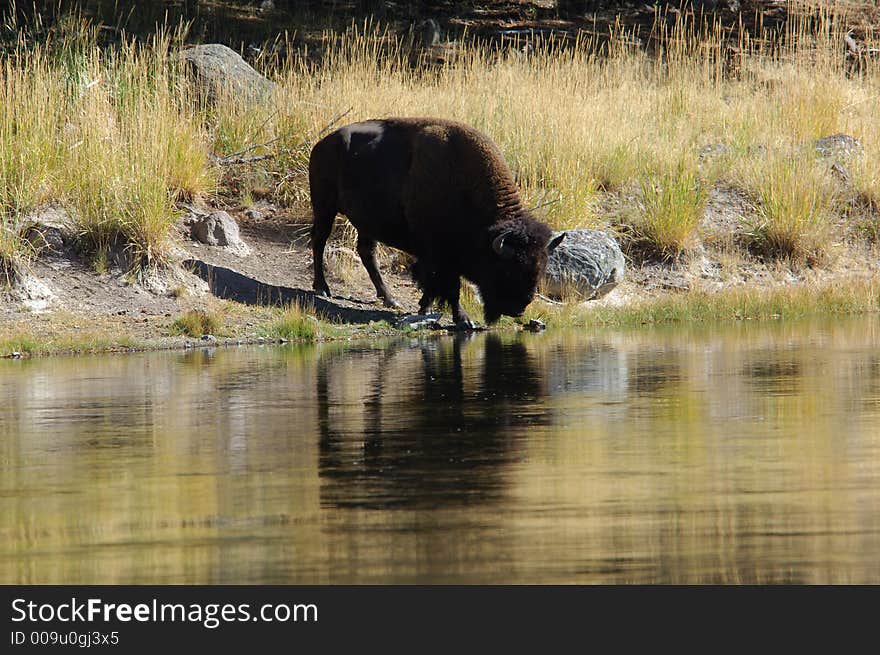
452 293
366 248
446 286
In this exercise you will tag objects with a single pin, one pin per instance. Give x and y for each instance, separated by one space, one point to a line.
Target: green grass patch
797 204
734 304
196 323
294 324
22 344
666 224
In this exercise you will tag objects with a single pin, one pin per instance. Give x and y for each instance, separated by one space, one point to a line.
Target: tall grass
797 203
294 323
673 202
114 137
119 136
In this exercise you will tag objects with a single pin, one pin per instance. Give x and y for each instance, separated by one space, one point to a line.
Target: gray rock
837 145
49 228
588 263
254 214
218 229
429 32
419 321
713 152
219 72
33 294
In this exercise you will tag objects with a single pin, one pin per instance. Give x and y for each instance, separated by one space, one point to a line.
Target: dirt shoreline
113 311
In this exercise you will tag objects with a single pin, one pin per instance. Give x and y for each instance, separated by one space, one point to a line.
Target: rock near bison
441 191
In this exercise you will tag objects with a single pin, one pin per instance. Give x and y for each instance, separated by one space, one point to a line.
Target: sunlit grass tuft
196 323
294 323
665 226
797 203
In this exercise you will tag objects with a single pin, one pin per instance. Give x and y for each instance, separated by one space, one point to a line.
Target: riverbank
739 176
90 311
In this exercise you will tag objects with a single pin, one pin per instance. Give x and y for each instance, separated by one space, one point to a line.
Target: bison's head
519 251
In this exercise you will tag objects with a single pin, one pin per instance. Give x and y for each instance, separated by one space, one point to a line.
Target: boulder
429 33
218 229
837 146
588 263
220 72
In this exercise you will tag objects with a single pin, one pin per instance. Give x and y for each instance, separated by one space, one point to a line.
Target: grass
856 297
665 225
294 323
73 121
196 323
79 342
614 123
797 206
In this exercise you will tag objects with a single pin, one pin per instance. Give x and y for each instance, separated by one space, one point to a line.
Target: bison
441 191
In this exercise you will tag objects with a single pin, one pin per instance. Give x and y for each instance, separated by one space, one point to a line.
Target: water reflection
438 439
744 454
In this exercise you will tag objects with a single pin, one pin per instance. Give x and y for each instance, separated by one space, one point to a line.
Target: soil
65 299
61 295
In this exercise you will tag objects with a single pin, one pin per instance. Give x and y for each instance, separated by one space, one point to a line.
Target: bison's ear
503 249
555 241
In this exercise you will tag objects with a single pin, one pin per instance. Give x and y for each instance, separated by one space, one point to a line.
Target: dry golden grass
572 122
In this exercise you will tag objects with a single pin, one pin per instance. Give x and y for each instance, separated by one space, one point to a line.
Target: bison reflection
435 427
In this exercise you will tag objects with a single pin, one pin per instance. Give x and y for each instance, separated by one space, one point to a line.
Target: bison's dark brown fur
439 190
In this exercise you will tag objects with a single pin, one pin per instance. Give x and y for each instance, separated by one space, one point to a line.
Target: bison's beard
491 315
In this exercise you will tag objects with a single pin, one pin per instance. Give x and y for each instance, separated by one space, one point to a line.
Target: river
743 453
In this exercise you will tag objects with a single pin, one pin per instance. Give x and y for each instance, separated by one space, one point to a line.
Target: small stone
254 214
419 321
713 152
219 229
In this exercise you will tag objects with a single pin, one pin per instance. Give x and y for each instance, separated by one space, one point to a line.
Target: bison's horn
499 247
555 241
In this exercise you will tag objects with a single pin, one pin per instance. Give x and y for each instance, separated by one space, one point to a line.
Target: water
748 453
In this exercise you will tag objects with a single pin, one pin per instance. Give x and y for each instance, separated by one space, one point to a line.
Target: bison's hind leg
321 227
366 248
